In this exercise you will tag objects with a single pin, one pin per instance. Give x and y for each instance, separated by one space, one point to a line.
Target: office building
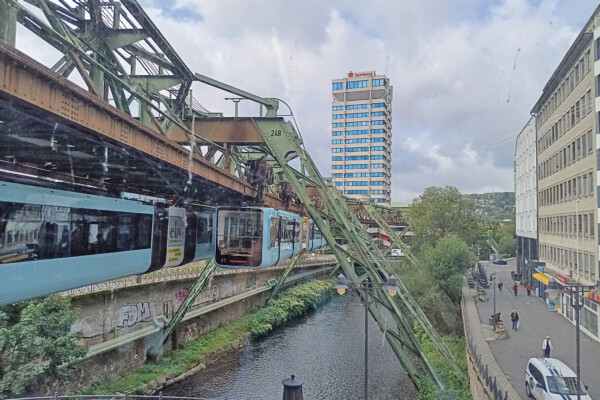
526 200
567 115
361 138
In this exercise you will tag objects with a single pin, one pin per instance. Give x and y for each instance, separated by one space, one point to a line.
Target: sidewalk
513 353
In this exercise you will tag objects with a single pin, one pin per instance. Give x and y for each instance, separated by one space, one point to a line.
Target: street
536 322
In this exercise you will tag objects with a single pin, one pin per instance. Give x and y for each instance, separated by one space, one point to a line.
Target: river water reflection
324 348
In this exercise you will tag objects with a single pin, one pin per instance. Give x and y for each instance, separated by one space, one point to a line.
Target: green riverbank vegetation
448 234
290 304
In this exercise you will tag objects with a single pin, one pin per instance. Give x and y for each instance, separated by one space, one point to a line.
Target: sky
466 73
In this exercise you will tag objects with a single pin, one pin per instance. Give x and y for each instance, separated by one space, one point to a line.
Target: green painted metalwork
408 299
284 275
8 23
195 290
283 143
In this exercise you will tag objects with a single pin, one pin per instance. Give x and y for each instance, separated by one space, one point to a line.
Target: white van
550 378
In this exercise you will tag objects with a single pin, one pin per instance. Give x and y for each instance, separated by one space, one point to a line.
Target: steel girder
283 142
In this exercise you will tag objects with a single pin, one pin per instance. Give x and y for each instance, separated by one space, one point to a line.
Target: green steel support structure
284 276
185 305
283 143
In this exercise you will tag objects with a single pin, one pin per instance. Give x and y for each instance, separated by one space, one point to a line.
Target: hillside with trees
494 207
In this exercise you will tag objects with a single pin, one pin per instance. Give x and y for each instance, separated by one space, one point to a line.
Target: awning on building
545 279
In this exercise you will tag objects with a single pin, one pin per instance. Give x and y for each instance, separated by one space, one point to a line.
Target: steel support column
8 23
183 308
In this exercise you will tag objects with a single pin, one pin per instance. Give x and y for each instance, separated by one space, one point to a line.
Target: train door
191 233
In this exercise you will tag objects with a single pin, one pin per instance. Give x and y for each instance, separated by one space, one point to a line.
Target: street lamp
368 286
576 298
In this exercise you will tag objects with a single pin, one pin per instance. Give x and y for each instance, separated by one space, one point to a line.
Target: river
324 348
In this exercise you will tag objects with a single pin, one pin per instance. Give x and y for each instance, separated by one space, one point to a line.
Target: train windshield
239 237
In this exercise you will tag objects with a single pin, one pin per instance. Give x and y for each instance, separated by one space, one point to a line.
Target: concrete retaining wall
117 316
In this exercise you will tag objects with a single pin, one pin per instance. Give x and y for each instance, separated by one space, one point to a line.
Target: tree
448 260
38 341
441 212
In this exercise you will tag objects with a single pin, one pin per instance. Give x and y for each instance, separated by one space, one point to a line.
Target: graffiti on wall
130 314
181 295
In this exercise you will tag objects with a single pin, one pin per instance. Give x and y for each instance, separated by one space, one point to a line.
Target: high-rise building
361 151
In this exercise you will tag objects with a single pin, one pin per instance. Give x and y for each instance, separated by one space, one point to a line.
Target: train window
288 233
30 231
239 236
205 228
274 232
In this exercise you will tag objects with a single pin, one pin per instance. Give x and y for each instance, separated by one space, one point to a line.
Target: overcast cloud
466 73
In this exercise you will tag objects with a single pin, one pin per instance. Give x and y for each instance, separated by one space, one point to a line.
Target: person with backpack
515 288
514 317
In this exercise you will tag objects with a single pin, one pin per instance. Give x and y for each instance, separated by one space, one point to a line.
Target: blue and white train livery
256 237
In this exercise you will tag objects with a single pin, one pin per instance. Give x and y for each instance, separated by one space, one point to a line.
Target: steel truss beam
283 142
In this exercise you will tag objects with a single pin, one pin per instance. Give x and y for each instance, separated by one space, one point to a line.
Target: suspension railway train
54 240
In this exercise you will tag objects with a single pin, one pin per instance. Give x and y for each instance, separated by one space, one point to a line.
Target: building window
377 131
377 166
377 148
357 115
356 175
337 108
363 140
377 174
337 167
360 132
337 158
337 175
357 183
378 82
337 133
378 114
338 85
337 150
378 157
377 105
338 183
377 139
357 166
357 84
377 123
359 123
355 149
358 192
356 158
357 106
377 183
337 141
338 116
337 125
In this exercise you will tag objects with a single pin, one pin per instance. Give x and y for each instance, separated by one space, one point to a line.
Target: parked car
550 378
499 262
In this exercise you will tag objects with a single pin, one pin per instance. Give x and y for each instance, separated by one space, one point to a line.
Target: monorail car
256 237
55 240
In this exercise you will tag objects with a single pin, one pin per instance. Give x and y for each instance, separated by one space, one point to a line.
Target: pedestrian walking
528 287
515 288
514 317
546 347
500 286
